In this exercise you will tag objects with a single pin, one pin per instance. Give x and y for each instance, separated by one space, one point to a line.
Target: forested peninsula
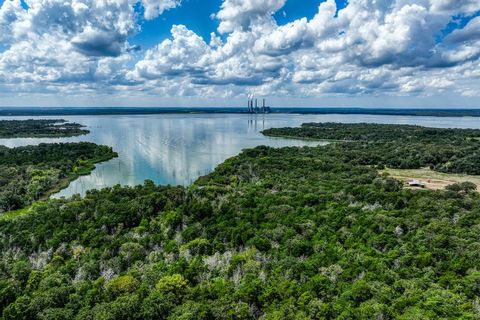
291 233
32 173
396 146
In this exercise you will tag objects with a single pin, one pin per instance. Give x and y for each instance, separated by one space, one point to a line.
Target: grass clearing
10 215
16 213
433 180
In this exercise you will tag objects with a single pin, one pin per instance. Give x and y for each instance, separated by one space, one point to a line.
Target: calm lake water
176 149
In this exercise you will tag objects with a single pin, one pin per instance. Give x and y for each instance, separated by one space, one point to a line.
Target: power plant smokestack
256 108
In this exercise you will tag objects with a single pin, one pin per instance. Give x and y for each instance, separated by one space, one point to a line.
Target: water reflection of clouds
177 149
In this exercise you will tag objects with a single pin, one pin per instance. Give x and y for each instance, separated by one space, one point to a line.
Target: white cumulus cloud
395 48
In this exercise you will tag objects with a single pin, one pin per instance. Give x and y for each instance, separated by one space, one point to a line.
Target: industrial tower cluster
254 108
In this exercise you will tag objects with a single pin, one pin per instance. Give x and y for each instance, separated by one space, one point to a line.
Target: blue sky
396 53
196 14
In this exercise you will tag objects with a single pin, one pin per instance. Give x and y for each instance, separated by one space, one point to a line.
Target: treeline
29 173
398 146
39 128
292 233
371 132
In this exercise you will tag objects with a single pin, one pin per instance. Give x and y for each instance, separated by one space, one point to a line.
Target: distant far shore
73 111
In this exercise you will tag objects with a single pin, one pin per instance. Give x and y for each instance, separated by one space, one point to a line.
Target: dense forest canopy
39 128
291 233
397 146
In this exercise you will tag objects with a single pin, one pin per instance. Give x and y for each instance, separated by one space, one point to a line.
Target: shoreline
303 138
63 183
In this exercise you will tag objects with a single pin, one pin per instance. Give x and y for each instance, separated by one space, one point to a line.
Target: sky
323 53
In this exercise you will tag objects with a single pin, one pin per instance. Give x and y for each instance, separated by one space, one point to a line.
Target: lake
176 149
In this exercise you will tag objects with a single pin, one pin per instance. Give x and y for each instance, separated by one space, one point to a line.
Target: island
41 128
292 233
